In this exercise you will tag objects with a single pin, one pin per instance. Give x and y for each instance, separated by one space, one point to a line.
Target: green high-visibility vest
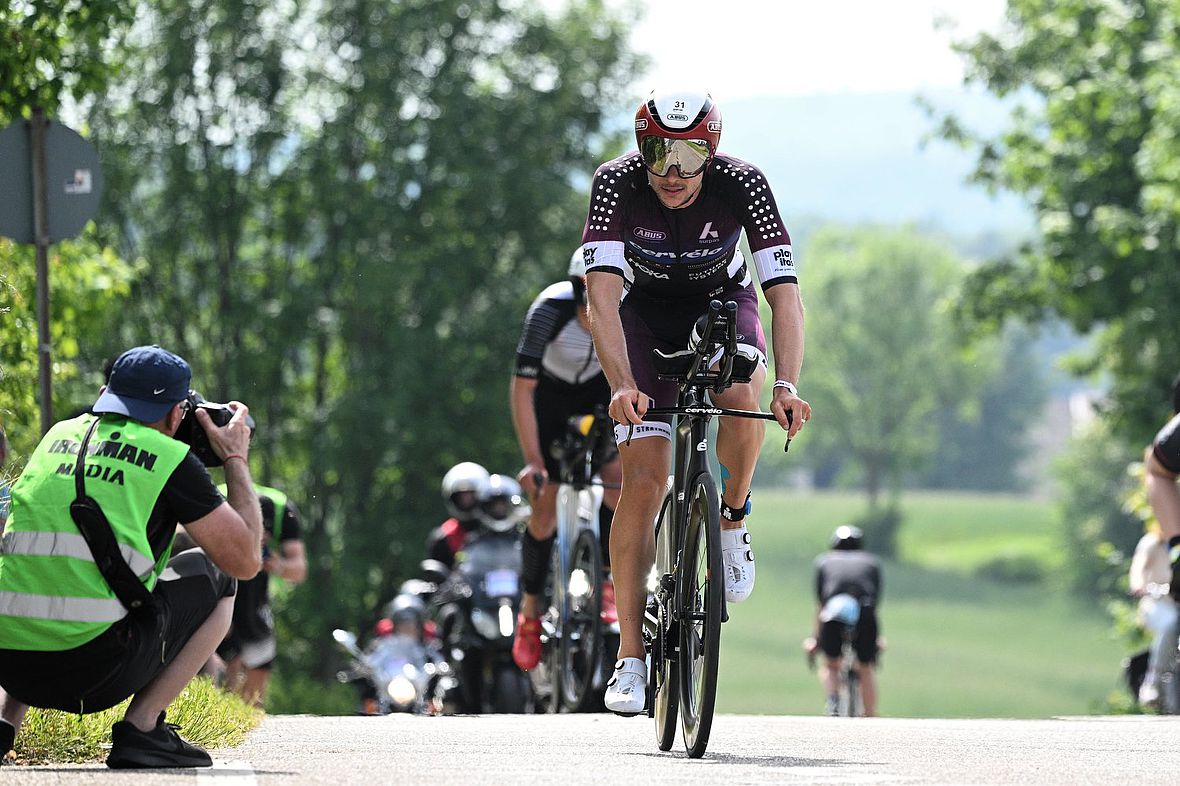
279 499
52 595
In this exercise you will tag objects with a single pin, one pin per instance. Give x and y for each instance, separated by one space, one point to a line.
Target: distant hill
860 157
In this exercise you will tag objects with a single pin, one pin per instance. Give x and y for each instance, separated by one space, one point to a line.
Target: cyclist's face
673 190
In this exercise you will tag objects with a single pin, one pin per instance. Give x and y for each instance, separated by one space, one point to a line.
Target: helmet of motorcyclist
577 276
678 128
848 538
461 487
501 503
405 606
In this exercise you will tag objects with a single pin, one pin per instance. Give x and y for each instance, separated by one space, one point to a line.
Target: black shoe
7 739
160 747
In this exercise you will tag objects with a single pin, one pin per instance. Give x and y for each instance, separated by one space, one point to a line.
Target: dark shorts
555 403
864 638
121 661
1166 447
650 324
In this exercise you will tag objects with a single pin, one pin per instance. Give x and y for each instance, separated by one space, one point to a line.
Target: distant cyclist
461 487
557 376
848 570
1162 462
664 225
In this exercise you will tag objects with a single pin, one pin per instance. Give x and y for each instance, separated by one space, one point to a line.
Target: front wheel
700 590
662 688
581 632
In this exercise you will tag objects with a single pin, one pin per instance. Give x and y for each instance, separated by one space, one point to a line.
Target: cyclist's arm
524 421
605 292
786 335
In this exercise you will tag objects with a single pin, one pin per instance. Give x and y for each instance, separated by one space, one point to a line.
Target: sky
747 48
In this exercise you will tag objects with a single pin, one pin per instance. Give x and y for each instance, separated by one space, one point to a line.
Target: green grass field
958 645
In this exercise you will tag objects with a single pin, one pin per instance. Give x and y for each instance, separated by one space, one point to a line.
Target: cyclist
1162 462
460 489
1149 566
664 225
557 376
848 570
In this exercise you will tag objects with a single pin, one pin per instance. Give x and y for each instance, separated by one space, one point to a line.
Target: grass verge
208 717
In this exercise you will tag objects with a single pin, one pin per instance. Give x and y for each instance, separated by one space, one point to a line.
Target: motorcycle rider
461 487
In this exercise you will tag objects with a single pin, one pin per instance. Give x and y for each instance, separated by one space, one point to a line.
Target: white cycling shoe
738 559
626 690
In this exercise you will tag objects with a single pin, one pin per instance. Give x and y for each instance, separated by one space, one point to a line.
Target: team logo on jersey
708 233
650 234
588 255
649 271
783 257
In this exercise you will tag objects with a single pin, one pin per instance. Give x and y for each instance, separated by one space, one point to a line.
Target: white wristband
782 383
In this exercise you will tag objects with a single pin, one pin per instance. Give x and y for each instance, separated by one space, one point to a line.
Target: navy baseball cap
145 383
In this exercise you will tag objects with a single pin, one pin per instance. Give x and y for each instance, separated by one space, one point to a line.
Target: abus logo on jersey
649 234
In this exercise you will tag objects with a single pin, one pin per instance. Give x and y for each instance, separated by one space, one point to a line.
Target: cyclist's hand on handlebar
532 478
628 405
782 403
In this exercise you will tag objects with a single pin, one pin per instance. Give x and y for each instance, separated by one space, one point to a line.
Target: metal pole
41 242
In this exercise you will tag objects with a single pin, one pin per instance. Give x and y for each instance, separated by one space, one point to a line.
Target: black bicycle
682 621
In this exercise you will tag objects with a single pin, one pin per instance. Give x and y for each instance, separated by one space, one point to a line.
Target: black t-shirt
856 573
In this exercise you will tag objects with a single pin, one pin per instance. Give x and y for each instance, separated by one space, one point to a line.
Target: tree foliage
1092 144
883 359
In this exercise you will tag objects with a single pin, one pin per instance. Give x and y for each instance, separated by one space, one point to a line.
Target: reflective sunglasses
690 156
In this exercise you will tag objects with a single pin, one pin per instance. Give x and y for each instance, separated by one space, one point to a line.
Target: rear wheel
581 633
850 703
662 688
701 596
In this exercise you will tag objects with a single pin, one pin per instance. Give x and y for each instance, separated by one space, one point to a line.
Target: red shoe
526 647
609 614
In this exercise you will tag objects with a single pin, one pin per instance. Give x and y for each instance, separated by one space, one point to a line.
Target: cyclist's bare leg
739 440
868 688
612 478
829 675
1164 496
632 541
542 524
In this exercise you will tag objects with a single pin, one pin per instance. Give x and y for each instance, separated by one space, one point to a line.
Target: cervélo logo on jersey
650 234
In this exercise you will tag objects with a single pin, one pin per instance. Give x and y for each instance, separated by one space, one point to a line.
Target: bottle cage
100 538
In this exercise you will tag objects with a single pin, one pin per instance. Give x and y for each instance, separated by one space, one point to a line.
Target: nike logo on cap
158 392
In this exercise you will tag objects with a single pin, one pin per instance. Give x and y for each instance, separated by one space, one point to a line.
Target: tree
882 358
1092 144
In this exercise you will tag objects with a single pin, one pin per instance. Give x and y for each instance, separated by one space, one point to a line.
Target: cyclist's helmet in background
461 487
577 275
501 503
680 128
847 538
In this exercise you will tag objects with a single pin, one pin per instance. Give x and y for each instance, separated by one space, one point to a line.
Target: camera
193 434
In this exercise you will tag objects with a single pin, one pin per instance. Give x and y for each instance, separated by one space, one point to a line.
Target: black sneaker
7 739
160 747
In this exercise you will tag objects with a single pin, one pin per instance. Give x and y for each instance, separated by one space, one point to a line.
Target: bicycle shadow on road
786 762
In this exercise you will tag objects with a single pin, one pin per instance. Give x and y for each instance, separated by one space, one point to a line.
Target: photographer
250 648
67 639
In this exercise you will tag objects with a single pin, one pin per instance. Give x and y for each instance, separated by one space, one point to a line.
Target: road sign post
52 183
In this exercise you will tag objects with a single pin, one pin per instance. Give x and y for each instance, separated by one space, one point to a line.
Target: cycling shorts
555 403
1166 446
864 638
650 324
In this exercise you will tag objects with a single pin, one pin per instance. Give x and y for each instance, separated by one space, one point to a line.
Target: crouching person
88 620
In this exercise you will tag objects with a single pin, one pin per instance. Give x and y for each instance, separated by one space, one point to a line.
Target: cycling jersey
690 251
554 342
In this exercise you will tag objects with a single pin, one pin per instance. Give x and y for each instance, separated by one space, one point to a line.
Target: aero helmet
465 476
680 128
848 538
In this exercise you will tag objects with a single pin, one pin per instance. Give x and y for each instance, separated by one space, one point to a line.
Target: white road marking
227 773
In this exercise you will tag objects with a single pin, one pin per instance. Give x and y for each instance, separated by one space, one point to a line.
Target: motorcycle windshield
491 565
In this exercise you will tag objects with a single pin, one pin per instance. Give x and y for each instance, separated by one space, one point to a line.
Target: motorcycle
394 674
476 607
